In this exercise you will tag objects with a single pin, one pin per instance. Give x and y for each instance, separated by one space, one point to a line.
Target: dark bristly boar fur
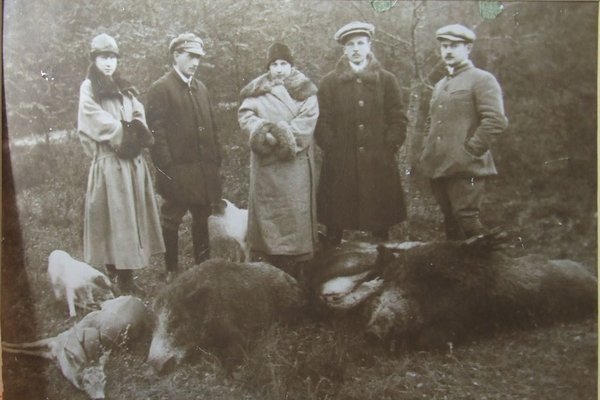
218 306
446 291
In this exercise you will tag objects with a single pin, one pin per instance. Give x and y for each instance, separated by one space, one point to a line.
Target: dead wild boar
444 291
438 292
217 306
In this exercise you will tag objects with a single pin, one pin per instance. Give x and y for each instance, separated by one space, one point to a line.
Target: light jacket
466 114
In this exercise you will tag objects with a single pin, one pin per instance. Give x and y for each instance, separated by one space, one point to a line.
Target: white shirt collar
359 67
187 80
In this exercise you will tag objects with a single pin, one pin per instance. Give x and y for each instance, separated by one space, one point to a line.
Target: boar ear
219 207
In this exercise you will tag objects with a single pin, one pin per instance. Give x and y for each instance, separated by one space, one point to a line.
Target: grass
312 359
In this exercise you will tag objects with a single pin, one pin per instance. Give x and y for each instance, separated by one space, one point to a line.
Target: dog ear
102 282
218 208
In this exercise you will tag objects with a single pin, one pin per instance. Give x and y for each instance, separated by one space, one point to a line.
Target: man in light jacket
466 114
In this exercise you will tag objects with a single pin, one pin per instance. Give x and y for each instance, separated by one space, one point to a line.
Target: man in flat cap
466 114
186 152
361 125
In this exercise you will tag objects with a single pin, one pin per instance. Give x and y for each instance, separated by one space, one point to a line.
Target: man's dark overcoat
361 126
186 150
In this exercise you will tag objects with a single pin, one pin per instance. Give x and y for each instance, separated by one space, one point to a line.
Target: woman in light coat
121 223
279 112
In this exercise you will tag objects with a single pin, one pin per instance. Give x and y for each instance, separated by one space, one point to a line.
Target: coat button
361 127
361 103
358 80
439 122
361 149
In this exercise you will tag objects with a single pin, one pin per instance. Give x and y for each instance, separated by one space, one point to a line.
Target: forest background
544 54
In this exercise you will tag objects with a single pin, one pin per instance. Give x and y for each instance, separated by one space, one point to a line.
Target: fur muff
218 306
285 149
130 146
258 140
136 136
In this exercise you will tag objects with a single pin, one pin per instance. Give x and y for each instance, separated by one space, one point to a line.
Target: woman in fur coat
121 223
279 112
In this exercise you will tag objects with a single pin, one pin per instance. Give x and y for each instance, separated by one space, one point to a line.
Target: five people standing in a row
356 117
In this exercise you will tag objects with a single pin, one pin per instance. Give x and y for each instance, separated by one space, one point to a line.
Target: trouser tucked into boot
171 248
126 284
460 202
200 238
172 213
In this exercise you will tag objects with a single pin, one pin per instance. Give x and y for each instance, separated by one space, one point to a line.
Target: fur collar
370 74
297 84
104 87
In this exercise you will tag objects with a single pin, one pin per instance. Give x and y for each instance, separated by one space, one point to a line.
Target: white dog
227 229
76 281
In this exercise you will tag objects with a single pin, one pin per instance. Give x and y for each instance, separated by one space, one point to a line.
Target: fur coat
361 126
281 206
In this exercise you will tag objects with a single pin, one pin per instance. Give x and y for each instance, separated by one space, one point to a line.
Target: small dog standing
76 281
227 229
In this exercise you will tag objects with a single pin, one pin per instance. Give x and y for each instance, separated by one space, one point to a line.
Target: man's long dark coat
361 126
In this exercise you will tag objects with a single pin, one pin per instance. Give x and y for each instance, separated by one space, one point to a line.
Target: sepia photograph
299 199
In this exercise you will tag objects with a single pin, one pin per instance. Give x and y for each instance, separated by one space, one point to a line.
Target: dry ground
314 359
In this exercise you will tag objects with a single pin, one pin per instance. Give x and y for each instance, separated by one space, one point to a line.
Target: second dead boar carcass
217 306
439 292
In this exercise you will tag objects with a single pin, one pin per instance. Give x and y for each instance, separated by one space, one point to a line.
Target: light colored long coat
121 223
282 198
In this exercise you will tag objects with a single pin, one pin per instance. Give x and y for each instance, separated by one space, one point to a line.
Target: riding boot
381 235
471 226
453 231
171 237
334 236
200 241
111 272
125 283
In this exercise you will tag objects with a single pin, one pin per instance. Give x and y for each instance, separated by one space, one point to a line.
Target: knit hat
103 43
279 51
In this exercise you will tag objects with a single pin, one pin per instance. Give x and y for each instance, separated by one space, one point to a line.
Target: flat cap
455 33
104 43
187 42
353 28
